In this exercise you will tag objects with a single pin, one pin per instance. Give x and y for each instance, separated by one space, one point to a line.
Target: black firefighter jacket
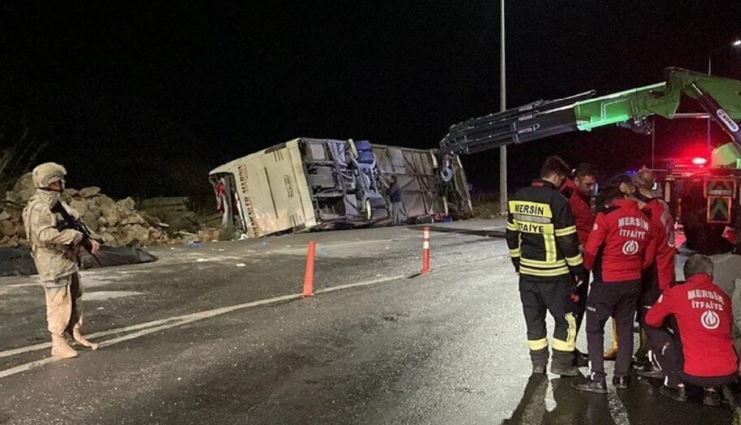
541 235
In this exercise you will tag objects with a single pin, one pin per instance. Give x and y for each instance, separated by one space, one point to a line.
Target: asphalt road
218 334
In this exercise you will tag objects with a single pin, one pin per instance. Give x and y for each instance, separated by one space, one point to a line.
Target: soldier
542 241
56 254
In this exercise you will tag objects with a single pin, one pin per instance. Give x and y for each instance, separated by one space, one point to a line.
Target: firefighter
56 255
660 274
660 215
620 246
579 192
542 240
700 350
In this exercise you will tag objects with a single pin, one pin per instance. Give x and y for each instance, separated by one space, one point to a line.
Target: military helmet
47 173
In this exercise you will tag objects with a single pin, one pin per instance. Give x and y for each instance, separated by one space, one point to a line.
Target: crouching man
56 254
699 351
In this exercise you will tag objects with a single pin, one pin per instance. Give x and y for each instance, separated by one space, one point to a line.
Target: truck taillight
699 161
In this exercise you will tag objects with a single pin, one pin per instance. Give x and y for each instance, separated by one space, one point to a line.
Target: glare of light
699 161
736 43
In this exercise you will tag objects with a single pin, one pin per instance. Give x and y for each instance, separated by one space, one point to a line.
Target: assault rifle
68 221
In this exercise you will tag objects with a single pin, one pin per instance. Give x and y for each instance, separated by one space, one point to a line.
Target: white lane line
160 325
355 285
617 409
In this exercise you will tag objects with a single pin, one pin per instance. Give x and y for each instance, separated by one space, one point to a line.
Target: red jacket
623 236
580 209
704 317
663 224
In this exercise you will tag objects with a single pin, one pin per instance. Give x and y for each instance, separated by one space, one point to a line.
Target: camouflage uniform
55 253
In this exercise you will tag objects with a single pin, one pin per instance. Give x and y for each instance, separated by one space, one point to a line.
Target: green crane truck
705 201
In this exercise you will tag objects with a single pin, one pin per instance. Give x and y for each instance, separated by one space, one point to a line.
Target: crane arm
720 97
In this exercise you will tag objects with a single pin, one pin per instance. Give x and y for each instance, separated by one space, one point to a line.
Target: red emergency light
699 161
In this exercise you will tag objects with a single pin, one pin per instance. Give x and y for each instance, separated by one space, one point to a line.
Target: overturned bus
323 183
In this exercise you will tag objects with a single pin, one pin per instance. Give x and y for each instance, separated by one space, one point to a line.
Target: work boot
60 348
77 335
711 397
538 369
591 385
580 359
562 364
677 394
649 372
621 382
539 359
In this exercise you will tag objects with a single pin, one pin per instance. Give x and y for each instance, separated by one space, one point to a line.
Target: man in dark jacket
699 351
398 214
542 241
620 246
579 192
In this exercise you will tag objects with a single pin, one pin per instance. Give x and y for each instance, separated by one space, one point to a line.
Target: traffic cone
426 251
309 271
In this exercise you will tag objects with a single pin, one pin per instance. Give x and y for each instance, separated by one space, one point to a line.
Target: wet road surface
444 348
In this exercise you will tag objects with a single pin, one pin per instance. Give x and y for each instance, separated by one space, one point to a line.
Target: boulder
80 206
24 183
111 216
4 215
108 238
13 198
71 193
90 220
133 218
126 204
105 202
138 233
94 209
89 192
26 194
7 228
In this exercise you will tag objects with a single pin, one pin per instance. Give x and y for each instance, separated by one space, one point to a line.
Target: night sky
144 98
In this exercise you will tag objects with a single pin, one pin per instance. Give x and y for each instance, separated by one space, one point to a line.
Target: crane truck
705 201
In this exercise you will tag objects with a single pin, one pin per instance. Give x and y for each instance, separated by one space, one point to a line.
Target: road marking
164 324
617 409
355 285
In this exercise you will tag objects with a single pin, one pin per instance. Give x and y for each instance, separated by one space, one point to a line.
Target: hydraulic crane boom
720 97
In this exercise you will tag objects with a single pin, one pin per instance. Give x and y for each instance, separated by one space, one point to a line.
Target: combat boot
77 335
60 348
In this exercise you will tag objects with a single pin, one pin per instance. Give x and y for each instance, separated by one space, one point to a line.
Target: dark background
144 98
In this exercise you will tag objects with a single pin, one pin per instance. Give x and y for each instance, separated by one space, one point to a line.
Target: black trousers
580 307
667 355
542 295
619 300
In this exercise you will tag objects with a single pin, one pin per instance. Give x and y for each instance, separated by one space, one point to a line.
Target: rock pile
116 223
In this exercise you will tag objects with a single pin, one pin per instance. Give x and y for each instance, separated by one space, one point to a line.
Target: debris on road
116 223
